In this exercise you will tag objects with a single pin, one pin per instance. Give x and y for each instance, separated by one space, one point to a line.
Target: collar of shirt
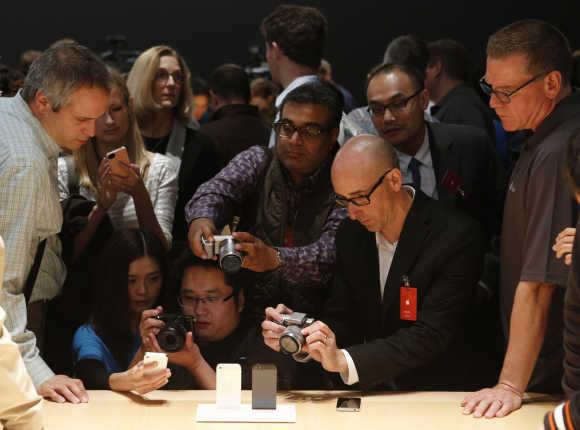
23 111
423 155
299 81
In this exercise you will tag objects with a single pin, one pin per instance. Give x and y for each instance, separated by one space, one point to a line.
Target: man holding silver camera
405 273
285 202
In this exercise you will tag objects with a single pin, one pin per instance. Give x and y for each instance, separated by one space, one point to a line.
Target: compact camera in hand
224 247
171 338
292 340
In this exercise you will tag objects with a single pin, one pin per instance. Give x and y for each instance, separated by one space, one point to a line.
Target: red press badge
408 301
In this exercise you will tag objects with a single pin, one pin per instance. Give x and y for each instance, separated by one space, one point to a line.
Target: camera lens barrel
292 340
230 259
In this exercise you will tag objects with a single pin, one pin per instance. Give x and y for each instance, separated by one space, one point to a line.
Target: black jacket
441 253
233 129
467 153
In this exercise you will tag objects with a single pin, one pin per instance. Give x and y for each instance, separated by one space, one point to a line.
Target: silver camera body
292 340
223 247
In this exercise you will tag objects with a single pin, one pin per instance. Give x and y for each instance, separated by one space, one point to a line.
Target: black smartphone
264 384
348 404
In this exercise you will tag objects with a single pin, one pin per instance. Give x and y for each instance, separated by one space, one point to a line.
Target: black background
210 33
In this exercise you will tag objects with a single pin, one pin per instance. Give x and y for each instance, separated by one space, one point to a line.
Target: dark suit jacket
462 105
441 253
233 129
467 153
199 163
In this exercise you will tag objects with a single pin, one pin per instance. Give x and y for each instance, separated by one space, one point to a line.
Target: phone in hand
158 357
116 157
348 404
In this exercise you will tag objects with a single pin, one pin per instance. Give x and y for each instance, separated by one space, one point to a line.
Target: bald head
364 154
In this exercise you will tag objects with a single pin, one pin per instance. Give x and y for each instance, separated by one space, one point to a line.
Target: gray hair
63 69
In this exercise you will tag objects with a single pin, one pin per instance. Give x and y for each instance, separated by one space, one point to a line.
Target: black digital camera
171 338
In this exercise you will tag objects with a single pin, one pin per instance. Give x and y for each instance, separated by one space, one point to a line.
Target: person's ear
41 104
424 98
395 180
241 301
276 50
435 69
552 84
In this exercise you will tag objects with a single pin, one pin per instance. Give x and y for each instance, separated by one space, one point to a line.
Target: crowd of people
429 235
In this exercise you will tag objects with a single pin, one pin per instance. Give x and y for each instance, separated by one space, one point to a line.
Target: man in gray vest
285 199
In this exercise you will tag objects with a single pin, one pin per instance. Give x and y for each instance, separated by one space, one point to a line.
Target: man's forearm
528 323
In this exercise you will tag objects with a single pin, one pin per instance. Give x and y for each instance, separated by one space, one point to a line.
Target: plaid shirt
29 212
217 198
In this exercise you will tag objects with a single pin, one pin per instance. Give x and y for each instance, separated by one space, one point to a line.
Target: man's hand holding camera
319 341
188 356
258 257
200 227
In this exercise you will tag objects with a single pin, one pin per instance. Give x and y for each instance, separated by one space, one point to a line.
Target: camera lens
230 259
170 339
291 340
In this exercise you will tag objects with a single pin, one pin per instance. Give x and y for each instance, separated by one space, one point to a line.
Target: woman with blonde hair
143 195
159 83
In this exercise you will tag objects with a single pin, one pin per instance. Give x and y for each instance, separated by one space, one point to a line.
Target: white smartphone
158 357
228 386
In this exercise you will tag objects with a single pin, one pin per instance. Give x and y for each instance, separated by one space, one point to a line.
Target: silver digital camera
223 247
292 340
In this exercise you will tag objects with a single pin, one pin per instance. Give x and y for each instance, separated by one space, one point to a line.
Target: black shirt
538 206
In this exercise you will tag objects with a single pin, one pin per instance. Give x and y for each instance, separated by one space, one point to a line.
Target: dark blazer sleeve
440 317
199 163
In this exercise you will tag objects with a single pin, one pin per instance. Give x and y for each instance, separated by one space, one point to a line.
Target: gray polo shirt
538 206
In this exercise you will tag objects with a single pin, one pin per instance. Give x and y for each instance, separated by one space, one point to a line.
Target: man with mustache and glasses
285 201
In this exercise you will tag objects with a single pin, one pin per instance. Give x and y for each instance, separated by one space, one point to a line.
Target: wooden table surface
175 410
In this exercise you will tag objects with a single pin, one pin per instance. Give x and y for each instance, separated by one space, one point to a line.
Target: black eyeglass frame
197 299
366 198
302 131
393 107
506 96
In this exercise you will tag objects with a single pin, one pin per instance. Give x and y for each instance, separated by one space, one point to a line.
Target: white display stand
245 414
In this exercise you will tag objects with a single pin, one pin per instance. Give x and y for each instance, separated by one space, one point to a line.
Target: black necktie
414 169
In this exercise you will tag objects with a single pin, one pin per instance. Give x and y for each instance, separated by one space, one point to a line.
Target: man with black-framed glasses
528 79
456 164
405 275
224 332
284 197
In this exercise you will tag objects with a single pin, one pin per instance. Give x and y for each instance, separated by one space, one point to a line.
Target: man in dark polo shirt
528 79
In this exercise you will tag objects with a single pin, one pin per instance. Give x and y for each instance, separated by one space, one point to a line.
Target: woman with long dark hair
128 279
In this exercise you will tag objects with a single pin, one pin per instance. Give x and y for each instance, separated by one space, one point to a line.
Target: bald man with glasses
405 275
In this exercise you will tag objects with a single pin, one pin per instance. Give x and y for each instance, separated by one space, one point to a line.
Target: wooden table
175 410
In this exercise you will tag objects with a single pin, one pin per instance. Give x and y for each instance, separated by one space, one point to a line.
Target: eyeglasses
377 109
364 199
191 301
505 96
162 76
286 130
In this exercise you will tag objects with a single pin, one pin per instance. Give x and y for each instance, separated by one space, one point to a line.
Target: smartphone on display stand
228 385
264 384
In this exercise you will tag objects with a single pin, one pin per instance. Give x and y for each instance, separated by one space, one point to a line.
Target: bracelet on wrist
511 388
